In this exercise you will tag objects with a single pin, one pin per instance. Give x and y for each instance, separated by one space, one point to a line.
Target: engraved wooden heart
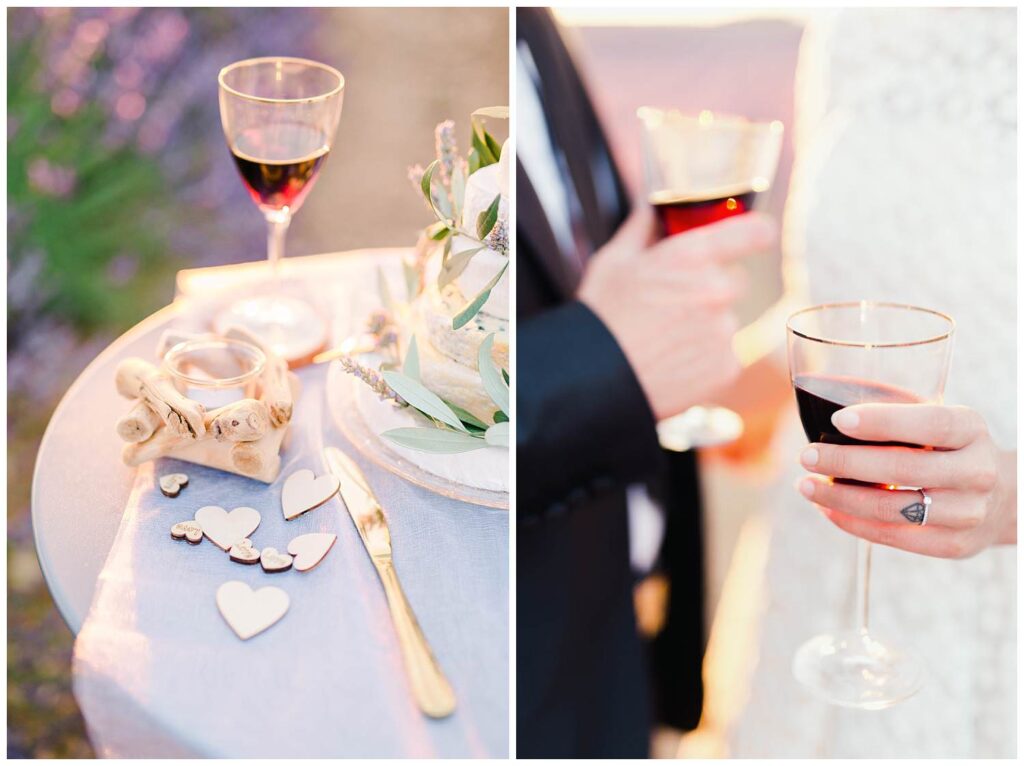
243 552
171 484
272 561
304 491
225 529
190 531
309 550
250 612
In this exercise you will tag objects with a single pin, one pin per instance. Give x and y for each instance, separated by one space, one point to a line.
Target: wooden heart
303 492
309 550
189 531
250 612
244 553
272 561
172 484
225 529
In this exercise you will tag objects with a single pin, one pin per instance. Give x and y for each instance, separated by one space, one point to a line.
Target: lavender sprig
497 239
372 378
415 175
447 152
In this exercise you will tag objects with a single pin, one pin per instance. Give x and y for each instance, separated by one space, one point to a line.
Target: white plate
347 407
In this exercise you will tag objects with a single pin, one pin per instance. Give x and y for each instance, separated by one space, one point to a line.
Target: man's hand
669 303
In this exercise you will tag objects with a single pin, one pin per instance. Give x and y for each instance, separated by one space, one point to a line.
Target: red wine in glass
818 397
680 212
279 163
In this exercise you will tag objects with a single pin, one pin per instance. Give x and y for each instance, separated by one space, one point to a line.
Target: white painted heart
171 484
303 492
249 612
310 549
272 561
225 529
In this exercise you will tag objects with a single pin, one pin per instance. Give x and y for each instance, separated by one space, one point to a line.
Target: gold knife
432 691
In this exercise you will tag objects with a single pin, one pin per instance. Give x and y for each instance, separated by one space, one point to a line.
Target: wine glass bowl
700 169
842 354
279 116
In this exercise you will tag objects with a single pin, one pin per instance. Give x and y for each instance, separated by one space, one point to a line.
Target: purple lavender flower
50 179
372 378
497 239
447 152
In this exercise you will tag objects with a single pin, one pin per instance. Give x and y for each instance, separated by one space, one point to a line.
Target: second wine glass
279 116
699 170
842 354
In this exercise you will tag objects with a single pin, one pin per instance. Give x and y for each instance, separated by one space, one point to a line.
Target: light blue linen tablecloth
158 672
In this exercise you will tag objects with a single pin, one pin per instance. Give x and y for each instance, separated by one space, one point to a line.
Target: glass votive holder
215 372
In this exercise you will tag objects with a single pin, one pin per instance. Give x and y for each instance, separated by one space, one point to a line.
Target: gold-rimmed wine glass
700 169
841 354
279 115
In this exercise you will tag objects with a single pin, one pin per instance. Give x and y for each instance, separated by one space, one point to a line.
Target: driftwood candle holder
244 436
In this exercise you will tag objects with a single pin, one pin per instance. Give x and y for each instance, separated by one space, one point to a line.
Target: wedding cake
439 364
449 356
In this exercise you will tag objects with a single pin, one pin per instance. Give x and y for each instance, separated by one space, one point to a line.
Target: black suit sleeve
583 423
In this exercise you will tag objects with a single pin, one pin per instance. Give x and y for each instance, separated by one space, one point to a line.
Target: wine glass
700 170
279 116
842 354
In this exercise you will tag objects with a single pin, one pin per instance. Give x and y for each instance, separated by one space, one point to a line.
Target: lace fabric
904 189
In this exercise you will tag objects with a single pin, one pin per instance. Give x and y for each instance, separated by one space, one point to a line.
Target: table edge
74 622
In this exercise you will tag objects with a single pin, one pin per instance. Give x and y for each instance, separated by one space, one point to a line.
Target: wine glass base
290 327
699 426
854 670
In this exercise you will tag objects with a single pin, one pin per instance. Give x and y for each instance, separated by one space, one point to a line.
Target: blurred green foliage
77 234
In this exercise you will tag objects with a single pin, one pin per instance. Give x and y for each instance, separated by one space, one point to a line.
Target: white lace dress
904 190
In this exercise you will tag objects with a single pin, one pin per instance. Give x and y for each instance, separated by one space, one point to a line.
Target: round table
79 460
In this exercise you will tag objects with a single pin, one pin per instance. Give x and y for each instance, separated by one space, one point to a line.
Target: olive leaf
483 151
489 375
412 280
498 112
487 218
493 145
438 231
425 181
468 418
411 365
471 309
439 204
458 185
434 440
454 264
423 399
497 435
384 291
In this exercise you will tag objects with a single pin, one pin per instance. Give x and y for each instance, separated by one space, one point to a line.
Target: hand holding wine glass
971 483
669 302
848 358
700 170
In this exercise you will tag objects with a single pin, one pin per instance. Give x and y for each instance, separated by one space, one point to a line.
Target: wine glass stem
277 228
863 584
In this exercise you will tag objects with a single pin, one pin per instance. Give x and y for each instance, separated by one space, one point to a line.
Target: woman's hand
972 485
